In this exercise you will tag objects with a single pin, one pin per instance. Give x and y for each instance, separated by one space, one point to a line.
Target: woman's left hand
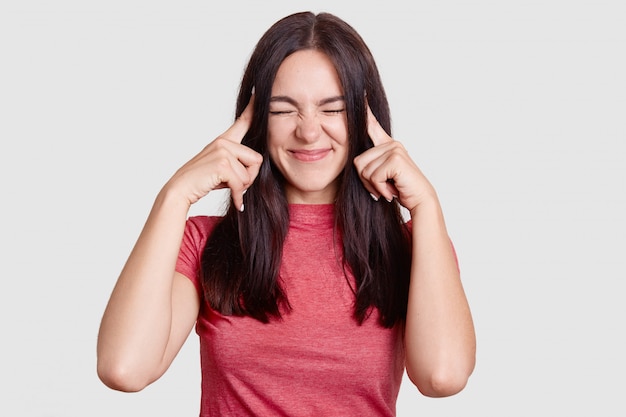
388 171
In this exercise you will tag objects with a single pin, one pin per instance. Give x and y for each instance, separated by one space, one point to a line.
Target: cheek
279 128
277 134
338 130
273 135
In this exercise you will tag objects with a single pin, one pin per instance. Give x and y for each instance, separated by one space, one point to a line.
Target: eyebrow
289 100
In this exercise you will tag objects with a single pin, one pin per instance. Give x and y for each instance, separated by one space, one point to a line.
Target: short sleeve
197 231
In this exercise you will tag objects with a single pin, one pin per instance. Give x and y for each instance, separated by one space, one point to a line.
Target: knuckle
221 141
395 158
398 146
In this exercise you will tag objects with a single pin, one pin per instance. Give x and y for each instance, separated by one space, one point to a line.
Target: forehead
307 70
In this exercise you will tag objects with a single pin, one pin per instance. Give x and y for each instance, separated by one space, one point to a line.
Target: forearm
440 337
136 325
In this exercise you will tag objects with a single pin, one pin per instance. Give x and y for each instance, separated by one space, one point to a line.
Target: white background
516 111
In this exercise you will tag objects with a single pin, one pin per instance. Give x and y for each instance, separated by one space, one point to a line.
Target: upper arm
185 309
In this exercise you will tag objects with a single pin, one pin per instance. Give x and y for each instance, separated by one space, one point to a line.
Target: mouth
309 155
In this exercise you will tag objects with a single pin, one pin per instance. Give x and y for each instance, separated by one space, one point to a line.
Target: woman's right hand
153 307
223 163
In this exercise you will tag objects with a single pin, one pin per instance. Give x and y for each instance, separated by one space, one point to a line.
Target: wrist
171 197
427 204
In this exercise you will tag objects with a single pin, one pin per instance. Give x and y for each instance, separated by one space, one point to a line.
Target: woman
311 295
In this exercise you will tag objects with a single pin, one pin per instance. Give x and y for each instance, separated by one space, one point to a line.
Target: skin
308 134
153 309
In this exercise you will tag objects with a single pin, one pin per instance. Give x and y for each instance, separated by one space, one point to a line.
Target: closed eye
334 111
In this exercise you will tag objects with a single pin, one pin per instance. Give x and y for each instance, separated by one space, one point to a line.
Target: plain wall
515 110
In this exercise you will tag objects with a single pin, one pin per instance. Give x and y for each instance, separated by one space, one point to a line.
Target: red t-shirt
316 361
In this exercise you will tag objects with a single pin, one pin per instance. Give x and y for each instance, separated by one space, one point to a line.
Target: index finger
240 127
375 130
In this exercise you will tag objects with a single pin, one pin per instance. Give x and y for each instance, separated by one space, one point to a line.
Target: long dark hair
241 260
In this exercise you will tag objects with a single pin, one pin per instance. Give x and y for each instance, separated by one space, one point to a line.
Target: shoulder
197 231
198 228
203 223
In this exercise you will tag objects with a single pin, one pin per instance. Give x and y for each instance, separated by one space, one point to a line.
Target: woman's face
307 127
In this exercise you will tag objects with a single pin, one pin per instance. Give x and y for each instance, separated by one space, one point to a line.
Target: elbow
439 385
440 382
121 378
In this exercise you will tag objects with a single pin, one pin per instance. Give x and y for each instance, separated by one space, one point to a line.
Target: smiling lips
309 155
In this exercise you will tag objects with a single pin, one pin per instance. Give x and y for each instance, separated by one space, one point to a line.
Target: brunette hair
241 260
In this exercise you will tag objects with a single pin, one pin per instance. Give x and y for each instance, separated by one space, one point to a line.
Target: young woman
311 295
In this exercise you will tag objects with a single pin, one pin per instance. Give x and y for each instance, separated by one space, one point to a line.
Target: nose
309 127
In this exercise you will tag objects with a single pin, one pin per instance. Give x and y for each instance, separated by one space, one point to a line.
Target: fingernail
241 208
374 197
244 192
